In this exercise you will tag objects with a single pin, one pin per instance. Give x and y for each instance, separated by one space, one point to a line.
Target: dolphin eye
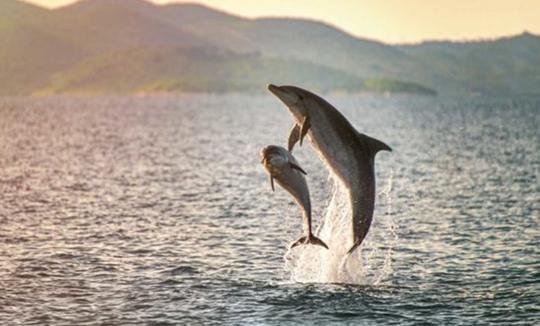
300 97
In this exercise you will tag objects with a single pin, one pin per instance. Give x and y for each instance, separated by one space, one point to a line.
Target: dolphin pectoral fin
294 136
294 166
272 183
306 124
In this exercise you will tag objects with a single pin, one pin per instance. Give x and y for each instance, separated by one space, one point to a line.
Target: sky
392 21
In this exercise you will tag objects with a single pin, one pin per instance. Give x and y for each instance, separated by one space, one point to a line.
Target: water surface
124 210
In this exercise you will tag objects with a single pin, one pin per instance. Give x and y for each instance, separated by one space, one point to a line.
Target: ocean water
156 210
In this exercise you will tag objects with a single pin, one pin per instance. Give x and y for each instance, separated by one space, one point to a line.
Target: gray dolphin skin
284 168
350 154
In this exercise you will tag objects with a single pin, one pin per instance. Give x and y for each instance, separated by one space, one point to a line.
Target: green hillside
124 46
194 70
29 54
505 66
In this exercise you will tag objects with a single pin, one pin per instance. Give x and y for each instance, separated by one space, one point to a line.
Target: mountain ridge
46 50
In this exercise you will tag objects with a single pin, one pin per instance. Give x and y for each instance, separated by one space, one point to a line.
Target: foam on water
370 264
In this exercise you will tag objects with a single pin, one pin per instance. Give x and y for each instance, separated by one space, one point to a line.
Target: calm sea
156 210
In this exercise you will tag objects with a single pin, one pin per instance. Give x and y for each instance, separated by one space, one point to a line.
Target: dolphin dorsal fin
373 144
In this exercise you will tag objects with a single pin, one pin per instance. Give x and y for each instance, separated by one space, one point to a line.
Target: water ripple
155 210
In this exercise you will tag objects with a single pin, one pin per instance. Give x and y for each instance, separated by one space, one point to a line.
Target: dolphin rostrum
350 154
283 167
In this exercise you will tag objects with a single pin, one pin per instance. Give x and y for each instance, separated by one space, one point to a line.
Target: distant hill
126 46
168 68
509 65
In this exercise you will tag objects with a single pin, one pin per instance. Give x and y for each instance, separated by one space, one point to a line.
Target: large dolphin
350 154
283 167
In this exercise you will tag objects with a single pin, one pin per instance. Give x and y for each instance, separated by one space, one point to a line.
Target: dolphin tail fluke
311 239
316 241
298 242
354 246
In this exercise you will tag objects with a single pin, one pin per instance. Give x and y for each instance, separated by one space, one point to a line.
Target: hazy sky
393 20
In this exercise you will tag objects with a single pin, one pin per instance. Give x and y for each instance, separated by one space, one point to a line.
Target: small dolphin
350 154
283 167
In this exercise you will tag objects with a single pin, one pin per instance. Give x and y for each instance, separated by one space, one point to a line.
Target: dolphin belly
354 169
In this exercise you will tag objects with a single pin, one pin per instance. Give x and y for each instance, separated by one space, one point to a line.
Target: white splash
370 264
